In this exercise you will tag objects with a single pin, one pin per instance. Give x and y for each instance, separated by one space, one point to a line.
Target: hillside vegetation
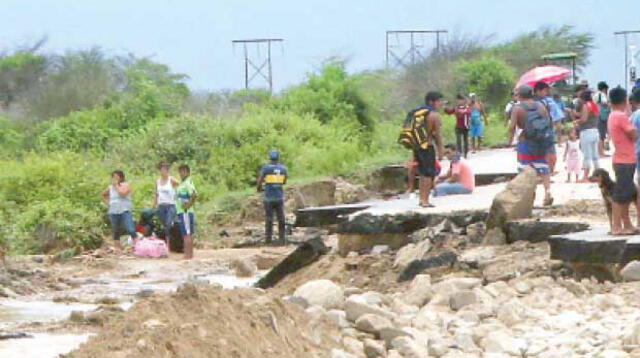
69 120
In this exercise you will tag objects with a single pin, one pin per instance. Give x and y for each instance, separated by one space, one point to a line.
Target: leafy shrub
491 78
329 95
51 202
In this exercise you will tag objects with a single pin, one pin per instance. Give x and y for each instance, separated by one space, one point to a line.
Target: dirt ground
210 322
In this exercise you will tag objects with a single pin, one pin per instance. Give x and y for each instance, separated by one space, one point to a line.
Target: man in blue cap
273 176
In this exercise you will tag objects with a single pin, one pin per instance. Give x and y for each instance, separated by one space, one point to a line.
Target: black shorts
625 189
602 129
426 161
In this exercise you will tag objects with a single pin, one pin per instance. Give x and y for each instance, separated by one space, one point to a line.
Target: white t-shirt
601 98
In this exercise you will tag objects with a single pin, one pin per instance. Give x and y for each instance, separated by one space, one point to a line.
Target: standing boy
186 197
623 135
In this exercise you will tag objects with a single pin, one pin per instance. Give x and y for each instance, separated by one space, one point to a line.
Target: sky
194 36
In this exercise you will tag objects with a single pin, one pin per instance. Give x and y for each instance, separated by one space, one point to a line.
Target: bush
51 202
491 78
329 95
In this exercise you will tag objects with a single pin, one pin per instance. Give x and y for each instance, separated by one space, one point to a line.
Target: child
572 155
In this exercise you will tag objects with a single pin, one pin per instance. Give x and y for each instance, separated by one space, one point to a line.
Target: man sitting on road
459 179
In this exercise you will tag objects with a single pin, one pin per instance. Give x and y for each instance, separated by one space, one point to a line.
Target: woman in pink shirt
459 179
623 135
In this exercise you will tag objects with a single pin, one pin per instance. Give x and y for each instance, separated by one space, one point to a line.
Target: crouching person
273 177
459 179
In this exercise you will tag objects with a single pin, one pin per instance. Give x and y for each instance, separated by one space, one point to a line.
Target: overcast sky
194 36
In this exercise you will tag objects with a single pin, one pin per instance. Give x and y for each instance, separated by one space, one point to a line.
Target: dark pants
269 208
167 215
462 141
122 223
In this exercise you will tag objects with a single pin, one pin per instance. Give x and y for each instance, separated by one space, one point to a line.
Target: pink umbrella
547 74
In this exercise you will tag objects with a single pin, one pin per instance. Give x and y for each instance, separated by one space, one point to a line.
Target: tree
491 78
525 51
19 72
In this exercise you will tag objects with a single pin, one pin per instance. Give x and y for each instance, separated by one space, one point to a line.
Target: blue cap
274 154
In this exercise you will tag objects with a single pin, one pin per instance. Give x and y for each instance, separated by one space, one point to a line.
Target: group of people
175 199
593 119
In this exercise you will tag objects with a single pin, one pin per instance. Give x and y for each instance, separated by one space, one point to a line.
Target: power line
413 54
626 53
253 69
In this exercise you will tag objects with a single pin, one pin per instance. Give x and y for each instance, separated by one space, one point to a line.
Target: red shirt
463 114
620 128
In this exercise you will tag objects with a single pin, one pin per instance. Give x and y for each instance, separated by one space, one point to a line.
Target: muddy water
15 314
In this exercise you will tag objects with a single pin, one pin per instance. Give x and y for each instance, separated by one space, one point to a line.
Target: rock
461 299
315 312
477 256
633 338
379 249
631 272
411 252
610 353
347 193
353 345
76 316
339 353
476 231
502 342
409 348
510 313
374 349
323 293
495 236
372 323
514 202
388 334
243 267
464 341
447 258
297 300
355 306
448 287
392 353
419 292
339 318
304 255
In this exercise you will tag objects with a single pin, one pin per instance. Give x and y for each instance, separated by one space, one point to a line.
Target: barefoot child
572 156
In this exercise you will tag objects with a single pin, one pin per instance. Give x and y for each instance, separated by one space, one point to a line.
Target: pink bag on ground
150 247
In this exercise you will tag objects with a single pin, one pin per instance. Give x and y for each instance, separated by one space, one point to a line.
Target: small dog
606 185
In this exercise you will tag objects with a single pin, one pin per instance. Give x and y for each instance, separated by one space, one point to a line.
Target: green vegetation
72 119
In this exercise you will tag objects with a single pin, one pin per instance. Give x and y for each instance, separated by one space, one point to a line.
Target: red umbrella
545 74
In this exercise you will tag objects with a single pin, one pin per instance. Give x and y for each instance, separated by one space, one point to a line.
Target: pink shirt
466 177
619 128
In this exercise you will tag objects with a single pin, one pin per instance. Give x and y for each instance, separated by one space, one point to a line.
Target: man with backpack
601 98
542 93
537 136
421 134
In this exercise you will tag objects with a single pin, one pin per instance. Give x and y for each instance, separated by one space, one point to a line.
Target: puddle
42 345
13 311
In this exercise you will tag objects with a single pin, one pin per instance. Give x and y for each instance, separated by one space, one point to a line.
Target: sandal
427 206
548 201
